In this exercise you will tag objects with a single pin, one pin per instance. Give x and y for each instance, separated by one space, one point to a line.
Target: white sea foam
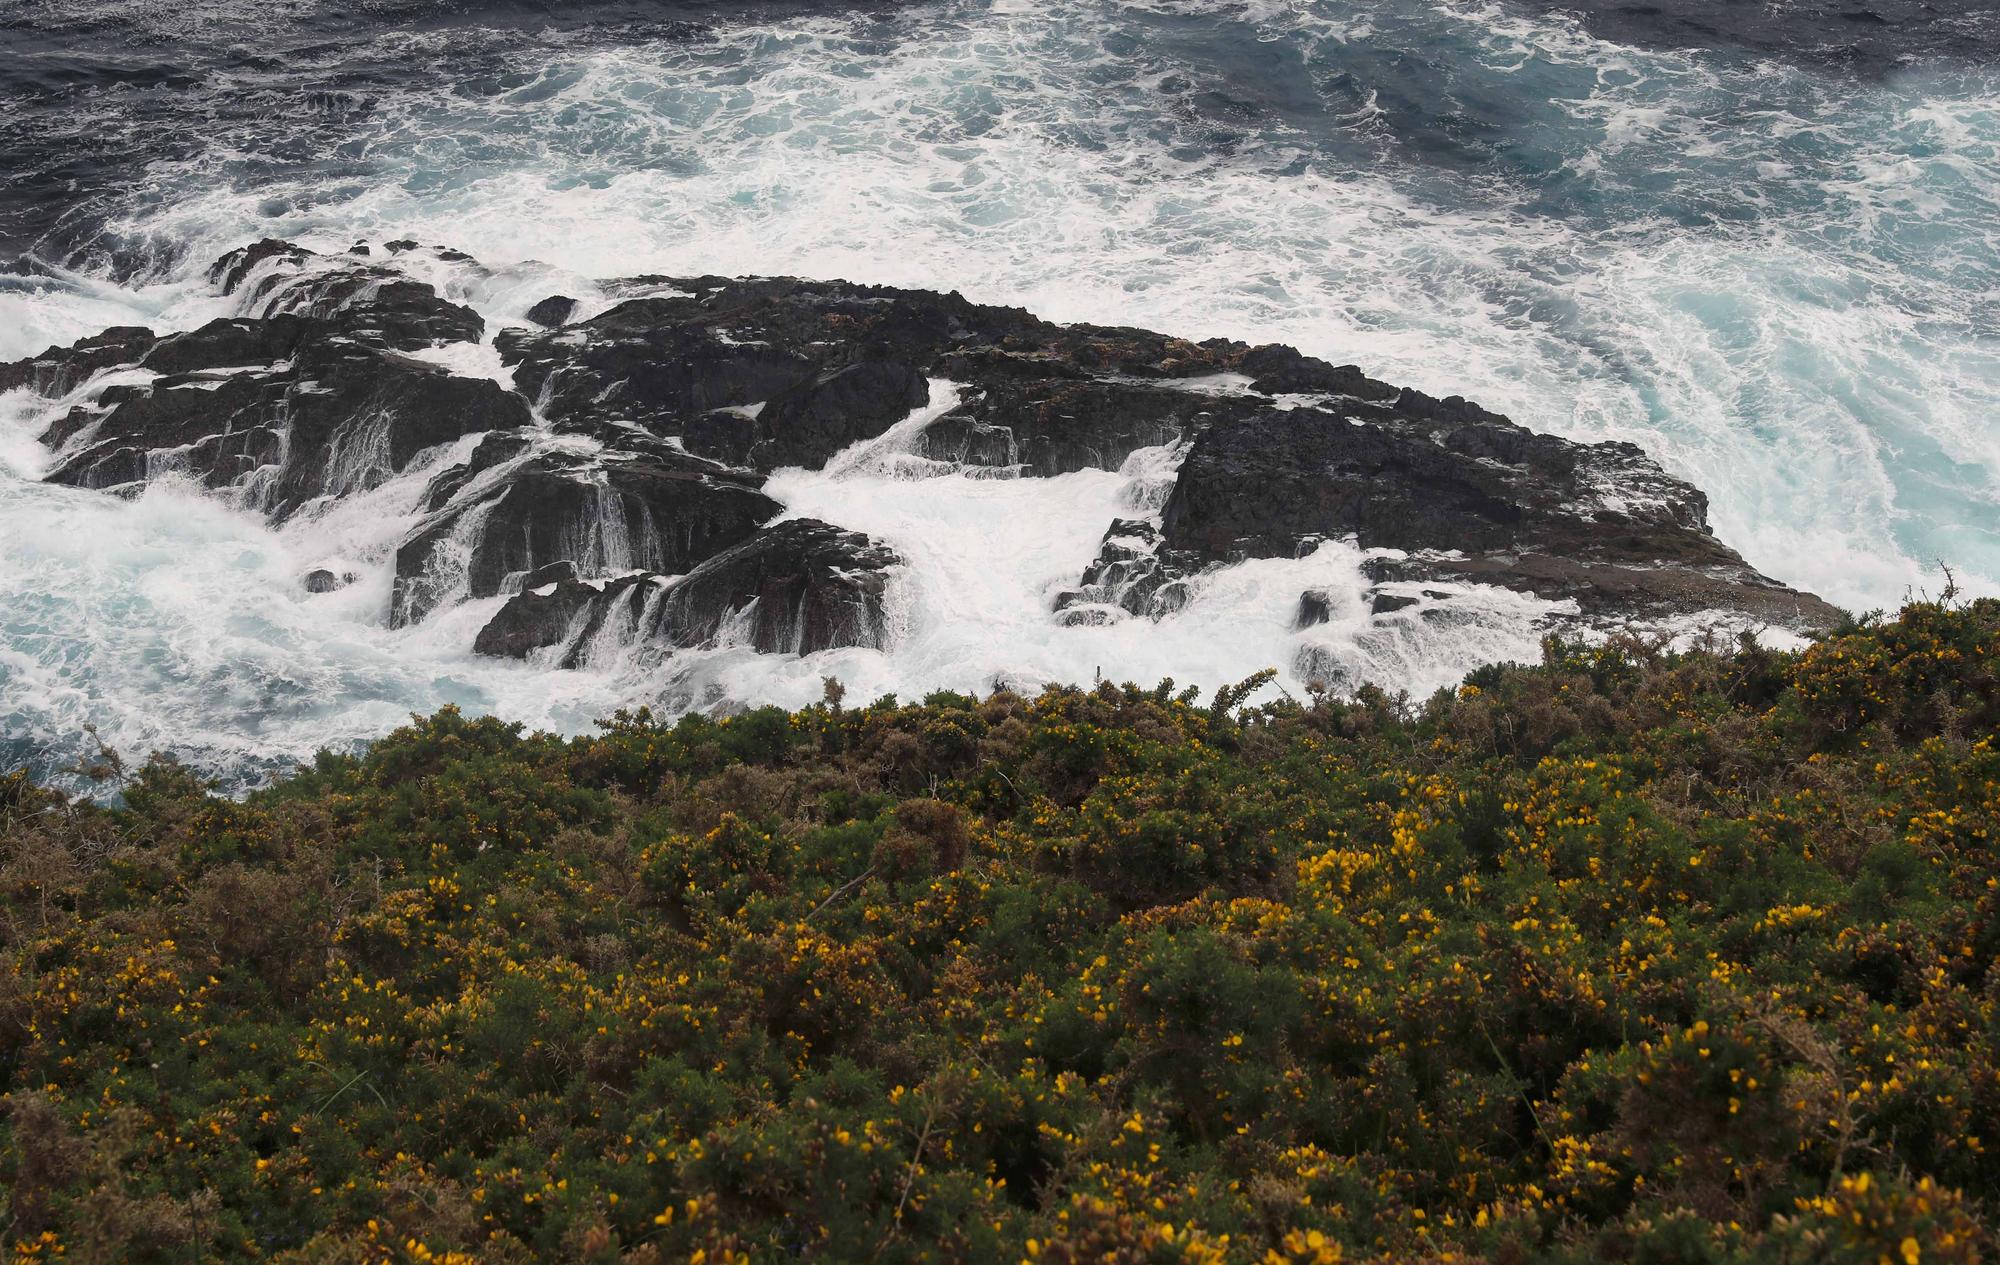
1803 366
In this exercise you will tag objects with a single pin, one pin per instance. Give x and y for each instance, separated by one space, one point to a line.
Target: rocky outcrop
604 512
1467 495
797 587
328 418
800 586
614 493
371 303
313 396
558 608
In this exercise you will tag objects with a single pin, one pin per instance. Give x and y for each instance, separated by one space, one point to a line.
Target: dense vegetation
1631 955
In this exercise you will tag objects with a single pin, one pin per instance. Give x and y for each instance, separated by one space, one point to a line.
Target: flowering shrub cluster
1628 956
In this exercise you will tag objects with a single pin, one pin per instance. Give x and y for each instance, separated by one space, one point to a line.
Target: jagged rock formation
374 304
515 507
312 397
795 588
1467 495
612 492
284 416
557 607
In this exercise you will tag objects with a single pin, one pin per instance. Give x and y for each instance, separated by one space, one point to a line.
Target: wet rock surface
1470 496
605 513
609 484
553 312
796 587
371 303
557 608
324 418
800 586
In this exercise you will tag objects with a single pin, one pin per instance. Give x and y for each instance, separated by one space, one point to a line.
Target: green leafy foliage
1631 955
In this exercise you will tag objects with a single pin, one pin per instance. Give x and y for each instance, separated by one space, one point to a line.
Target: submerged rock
321 580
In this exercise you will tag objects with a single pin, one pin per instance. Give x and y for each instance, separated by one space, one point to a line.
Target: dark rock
767 372
557 608
490 458
1315 607
229 343
810 423
228 273
336 419
540 615
798 587
813 421
1129 574
1383 570
60 370
367 302
552 312
1380 603
795 588
643 362
321 580
1280 370
376 306
1470 496
1257 487
807 424
608 513
1054 426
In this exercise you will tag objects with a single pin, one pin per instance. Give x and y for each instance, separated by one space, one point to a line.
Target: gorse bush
1628 956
